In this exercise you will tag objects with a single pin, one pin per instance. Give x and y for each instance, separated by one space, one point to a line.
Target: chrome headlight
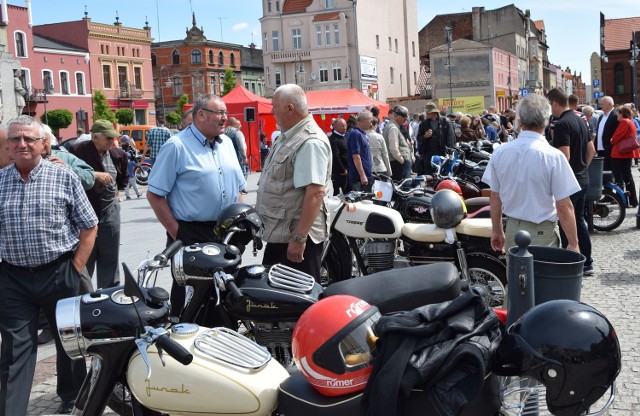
69 328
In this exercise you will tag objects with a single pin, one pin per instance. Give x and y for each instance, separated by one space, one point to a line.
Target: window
196 56
415 77
220 58
413 48
265 44
391 74
25 79
297 39
253 87
336 34
337 70
177 86
211 57
137 77
277 5
21 44
329 4
232 59
64 82
327 34
47 81
212 84
269 6
198 84
319 35
389 43
268 76
618 72
300 73
377 41
122 78
106 76
276 72
246 84
154 59
324 72
175 58
274 39
396 42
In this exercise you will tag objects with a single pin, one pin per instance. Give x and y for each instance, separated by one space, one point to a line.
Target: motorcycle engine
379 254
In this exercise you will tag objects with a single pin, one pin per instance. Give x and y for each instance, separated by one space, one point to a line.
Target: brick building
616 52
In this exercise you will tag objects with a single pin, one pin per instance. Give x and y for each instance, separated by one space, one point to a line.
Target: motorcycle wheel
120 401
609 211
142 174
491 274
336 264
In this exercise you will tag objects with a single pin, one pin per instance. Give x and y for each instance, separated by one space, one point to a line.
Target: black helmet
569 347
246 219
447 208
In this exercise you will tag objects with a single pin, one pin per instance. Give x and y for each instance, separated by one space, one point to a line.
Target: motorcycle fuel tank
418 209
276 293
365 219
229 375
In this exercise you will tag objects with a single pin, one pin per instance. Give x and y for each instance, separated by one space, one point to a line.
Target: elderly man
46 235
195 177
294 186
340 157
110 171
607 125
532 182
400 150
435 134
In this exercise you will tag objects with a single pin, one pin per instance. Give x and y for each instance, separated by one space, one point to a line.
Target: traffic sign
596 82
524 92
598 94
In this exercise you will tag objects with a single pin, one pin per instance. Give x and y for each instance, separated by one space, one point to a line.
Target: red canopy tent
328 104
242 104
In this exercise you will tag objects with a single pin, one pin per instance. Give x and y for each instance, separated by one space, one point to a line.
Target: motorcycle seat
403 289
423 233
297 397
475 227
474 204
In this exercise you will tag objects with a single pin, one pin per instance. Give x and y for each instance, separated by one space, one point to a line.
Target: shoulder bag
628 144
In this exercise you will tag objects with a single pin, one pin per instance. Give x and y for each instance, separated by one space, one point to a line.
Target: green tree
57 119
101 109
229 81
173 119
184 99
124 116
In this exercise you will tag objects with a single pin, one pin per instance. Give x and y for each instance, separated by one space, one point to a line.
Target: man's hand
497 240
295 251
573 247
103 177
56 160
428 133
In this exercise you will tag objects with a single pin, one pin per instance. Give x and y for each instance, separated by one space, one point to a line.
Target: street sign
598 94
596 83
524 92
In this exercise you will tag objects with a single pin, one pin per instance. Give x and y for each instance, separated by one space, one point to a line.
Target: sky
572 27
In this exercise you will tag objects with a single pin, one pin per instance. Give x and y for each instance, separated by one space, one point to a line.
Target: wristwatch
299 239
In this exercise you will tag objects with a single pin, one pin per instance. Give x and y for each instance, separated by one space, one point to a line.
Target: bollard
521 293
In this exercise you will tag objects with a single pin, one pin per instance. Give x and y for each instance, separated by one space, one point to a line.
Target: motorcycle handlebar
233 288
175 350
168 252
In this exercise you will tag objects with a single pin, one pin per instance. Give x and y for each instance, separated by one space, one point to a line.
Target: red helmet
449 184
333 343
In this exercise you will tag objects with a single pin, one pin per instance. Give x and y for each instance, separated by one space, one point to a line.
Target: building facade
619 62
8 64
252 67
340 44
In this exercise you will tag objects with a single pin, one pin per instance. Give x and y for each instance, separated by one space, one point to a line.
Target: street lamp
635 53
46 80
449 31
130 88
168 83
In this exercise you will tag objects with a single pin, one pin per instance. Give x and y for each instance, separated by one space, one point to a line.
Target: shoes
130 197
66 407
45 336
587 271
244 192
139 195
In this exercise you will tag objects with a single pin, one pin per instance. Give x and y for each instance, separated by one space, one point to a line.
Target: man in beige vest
295 182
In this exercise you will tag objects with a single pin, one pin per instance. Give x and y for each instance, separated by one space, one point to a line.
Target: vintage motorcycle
610 210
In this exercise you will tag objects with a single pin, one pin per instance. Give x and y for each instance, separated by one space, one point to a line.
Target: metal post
47 80
448 31
634 67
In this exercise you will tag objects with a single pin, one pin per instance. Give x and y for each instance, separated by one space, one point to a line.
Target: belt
33 269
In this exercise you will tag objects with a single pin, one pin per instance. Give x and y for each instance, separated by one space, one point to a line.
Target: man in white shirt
607 125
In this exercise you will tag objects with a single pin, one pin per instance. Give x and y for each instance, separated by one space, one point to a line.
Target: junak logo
151 388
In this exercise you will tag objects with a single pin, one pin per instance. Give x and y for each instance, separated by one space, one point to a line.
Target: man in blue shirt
360 153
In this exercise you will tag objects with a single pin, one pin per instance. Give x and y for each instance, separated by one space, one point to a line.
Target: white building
336 44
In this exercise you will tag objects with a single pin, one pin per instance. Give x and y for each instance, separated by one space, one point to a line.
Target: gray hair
203 100
293 94
28 121
587 110
49 133
607 98
534 111
364 114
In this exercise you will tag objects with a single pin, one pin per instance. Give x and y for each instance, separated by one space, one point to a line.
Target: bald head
289 105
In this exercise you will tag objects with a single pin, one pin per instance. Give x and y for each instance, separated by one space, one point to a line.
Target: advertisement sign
466 105
368 68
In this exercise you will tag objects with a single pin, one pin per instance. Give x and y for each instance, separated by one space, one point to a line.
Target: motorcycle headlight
69 328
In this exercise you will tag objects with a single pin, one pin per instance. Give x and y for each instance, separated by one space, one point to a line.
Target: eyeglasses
217 112
27 139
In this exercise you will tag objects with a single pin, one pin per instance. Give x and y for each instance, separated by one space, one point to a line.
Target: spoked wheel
121 402
142 174
490 274
609 211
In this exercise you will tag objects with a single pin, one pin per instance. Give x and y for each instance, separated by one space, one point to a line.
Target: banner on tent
339 109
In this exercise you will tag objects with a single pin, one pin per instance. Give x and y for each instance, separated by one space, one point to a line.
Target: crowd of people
60 203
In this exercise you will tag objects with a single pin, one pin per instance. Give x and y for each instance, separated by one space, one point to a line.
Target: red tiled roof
539 24
326 16
618 32
296 6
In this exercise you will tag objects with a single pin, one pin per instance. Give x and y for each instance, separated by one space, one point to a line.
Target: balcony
290 55
124 94
37 95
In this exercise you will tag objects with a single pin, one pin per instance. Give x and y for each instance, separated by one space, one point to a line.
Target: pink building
505 78
54 74
119 64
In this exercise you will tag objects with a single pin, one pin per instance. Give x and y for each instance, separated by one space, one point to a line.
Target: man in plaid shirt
47 231
156 137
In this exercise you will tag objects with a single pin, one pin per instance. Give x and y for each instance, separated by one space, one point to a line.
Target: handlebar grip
168 252
175 350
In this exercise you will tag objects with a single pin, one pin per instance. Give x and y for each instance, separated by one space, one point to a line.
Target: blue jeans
407 168
584 239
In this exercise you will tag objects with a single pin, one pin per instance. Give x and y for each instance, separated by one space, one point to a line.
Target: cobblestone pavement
613 290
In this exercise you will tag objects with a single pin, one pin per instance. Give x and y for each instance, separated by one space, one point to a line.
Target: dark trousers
339 183
189 232
584 239
22 294
606 163
104 256
277 253
621 169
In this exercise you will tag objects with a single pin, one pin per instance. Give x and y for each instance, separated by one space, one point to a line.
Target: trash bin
594 191
557 273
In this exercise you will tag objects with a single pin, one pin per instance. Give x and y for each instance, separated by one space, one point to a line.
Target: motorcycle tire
125 407
336 264
609 211
491 274
142 174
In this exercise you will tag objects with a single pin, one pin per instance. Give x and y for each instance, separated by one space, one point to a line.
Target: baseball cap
105 127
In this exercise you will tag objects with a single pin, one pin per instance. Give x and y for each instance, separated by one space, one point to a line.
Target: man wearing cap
110 169
399 148
435 134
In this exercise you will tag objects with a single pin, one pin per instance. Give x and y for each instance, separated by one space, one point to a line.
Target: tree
173 119
57 119
124 116
184 99
101 110
229 81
